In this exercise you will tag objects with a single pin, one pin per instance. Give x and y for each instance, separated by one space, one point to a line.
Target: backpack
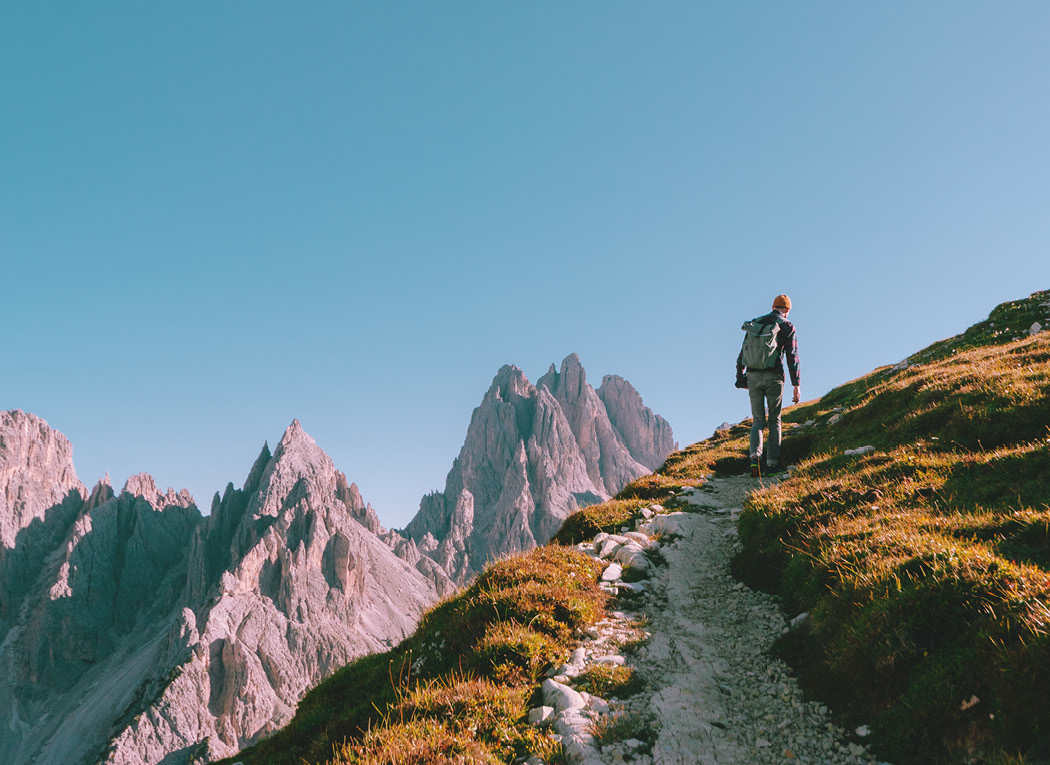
760 350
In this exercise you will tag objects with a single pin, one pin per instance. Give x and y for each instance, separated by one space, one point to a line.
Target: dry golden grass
925 566
457 690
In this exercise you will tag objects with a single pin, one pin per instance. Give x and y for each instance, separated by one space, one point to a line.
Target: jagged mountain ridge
136 630
150 633
533 455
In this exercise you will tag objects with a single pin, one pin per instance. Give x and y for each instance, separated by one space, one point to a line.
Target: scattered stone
561 696
715 693
540 715
859 450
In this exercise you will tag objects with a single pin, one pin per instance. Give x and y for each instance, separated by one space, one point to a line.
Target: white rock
667 524
612 572
599 705
610 546
561 696
625 554
639 538
1035 329
567 671
540 715
860 450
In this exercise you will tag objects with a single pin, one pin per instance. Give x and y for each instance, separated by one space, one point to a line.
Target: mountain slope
923 563
914 532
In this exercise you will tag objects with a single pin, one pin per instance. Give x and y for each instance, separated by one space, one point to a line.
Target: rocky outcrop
40 497
135 630
646 435
152 634
36 472
533 455
84 638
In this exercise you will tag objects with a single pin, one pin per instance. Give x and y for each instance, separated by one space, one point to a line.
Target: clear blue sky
217 217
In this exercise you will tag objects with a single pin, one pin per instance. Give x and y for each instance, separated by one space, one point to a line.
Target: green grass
609 517
925 567
610 681
458 689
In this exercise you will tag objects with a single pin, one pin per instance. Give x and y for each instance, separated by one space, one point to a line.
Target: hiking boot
774 469
755 471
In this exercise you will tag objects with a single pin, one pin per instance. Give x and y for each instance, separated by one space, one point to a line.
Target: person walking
768 341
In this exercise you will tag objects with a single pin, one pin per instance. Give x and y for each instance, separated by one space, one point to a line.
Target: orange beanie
782 301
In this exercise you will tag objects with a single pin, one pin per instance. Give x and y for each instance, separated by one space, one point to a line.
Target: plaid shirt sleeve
789 342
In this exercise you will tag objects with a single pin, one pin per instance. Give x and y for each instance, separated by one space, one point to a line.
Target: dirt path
721 697
716 695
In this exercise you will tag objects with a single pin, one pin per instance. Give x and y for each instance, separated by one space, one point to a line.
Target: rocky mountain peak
251 483
101 494
350 496
533 454
137 629
509 382
294 434
36 472
572 377
143 485
647 435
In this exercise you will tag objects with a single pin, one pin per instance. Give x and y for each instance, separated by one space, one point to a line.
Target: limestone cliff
40 496
534 454
150 634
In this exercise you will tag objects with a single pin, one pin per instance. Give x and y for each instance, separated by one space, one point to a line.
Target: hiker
760 368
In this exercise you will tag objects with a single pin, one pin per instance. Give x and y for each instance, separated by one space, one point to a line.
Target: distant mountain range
135 630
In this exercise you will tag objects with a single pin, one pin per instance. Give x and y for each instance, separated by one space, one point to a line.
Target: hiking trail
715 693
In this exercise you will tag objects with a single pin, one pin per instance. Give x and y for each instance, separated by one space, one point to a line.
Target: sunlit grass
925 567
458 689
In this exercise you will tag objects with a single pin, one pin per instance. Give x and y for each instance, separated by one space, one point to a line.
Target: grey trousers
765 389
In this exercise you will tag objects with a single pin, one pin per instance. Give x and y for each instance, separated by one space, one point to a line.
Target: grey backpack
760 342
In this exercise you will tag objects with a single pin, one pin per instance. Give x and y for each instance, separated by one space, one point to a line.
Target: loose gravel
714 692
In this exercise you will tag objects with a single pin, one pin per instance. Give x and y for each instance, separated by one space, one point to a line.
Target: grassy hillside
924 565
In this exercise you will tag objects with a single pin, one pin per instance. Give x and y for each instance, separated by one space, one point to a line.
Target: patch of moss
610 681
608 517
